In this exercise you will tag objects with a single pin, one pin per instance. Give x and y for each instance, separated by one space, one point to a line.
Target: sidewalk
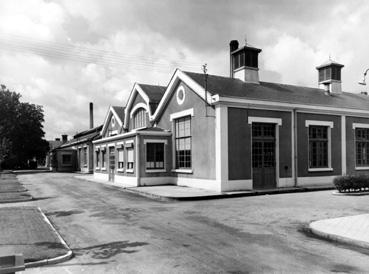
11 190
26 230
182 193
351 230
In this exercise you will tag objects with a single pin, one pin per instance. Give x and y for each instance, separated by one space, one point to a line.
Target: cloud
64 54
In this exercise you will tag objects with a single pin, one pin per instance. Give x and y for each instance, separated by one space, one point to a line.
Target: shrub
352 183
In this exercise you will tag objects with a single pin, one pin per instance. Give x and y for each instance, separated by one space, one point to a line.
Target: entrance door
111 163
263 156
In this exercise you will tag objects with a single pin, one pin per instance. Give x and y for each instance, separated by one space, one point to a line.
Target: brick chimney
64 138
91 115
244 62
330 77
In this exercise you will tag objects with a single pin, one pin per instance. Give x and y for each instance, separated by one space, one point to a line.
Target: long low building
236 132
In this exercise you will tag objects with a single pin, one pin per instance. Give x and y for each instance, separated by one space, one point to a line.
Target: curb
55 260
337 238
224 195
363 193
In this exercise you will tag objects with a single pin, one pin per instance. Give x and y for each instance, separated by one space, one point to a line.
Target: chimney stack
91 115
330 77
57 139
244 62
64 138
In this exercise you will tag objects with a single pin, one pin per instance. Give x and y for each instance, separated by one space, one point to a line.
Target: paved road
112 231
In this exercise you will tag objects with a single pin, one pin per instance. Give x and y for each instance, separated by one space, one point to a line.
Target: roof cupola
330 76
244 63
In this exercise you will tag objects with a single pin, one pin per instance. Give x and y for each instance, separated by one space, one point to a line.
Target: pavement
352 230
27 231
11 190
182 193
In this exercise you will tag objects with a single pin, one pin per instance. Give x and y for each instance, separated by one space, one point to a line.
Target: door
263 156
111 163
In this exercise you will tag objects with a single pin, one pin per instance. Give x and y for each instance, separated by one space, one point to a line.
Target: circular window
113 121
180 95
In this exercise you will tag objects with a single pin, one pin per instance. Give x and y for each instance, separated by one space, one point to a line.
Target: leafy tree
21 131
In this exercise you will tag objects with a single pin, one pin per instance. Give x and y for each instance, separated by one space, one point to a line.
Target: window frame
120 148
156 141
183 165
130 146
328 125
362 141
97 158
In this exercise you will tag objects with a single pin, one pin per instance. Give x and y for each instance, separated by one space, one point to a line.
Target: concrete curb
337 238
55 260
224 195
350 193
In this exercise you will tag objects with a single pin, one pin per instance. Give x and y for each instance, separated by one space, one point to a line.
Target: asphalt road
112 231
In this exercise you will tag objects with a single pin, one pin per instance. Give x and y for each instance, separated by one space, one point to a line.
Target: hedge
352 183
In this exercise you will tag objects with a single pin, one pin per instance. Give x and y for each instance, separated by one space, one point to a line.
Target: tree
21 131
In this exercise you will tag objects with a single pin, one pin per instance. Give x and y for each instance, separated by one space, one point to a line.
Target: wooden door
263 156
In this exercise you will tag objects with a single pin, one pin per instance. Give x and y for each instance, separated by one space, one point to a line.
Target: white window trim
180 170
111 145
320 169
155 141
362 168
359 125
179 100
253 119
329 125
318 123
120 170
129 142
137 107
155 170
130 170
180 114
103 168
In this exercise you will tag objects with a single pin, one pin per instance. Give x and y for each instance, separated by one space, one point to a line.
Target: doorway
111 164
264 155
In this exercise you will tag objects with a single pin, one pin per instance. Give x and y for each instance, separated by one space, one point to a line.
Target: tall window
85 156
97 161
183 142
318 146
155 156
362 146
120 158
130 158
139 118
103 158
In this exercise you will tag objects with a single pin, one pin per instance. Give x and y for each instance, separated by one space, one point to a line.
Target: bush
352 183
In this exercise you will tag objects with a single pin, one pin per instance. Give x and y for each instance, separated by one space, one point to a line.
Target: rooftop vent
244 62
330 76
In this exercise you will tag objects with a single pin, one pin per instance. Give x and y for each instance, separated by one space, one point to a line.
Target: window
97 161
120 158
155 156
183 142
362 146
318 146
66 159
130 158
85 156
103 158
139 118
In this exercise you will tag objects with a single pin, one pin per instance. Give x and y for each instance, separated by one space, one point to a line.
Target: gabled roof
265 91
118 112
82 137
155 93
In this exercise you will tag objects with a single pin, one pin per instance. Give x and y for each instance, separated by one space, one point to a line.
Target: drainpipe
294 117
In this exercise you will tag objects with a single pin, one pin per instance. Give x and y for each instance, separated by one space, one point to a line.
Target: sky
63 54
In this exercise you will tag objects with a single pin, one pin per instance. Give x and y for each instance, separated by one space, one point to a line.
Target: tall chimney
64 138
91 115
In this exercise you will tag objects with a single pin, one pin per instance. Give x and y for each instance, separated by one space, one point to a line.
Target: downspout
295 145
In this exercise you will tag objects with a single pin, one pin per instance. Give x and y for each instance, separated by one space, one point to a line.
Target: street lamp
362 82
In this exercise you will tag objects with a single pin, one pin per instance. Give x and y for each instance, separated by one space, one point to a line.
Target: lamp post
362 82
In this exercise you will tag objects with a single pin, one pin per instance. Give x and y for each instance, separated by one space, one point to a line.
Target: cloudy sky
64 54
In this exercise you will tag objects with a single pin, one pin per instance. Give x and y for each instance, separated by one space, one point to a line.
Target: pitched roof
155 93
265 91
82 137
119 111
88 131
